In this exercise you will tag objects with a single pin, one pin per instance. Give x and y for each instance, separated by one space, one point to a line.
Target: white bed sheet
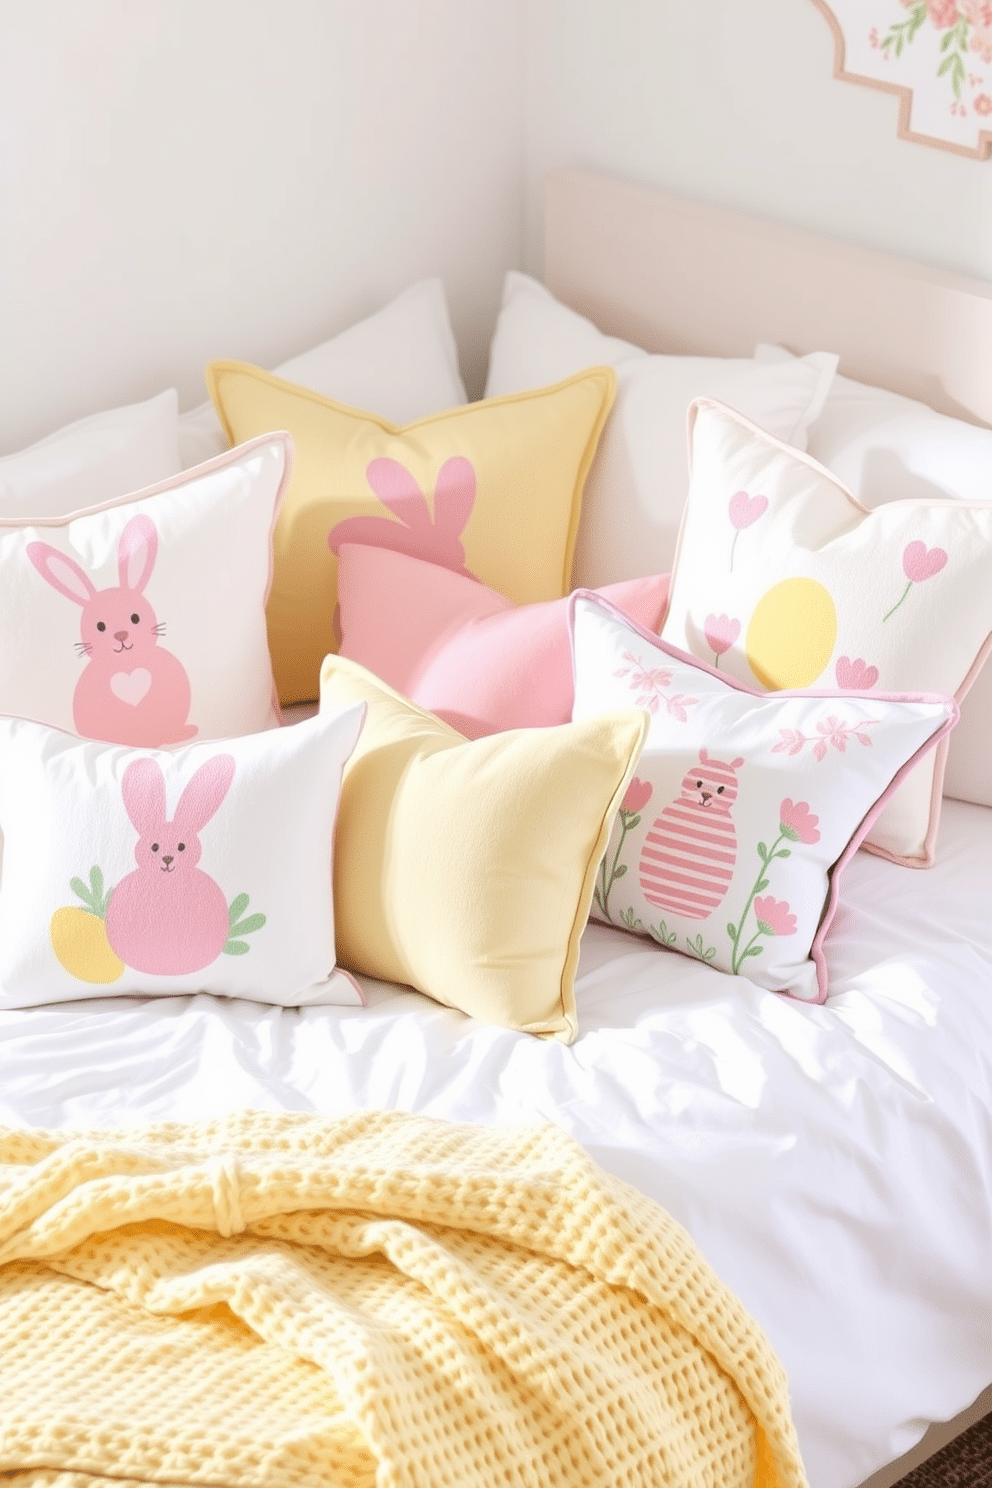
834 1163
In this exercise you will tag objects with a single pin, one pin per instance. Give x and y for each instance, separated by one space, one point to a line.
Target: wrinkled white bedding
834 1163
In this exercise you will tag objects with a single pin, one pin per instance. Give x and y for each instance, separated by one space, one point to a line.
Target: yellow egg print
79 936
792 634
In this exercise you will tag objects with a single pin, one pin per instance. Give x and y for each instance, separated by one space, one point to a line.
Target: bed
833 1161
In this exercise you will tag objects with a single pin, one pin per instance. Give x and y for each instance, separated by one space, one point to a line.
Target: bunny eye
699 785
182 847
135 619
154 847
720 789
100 625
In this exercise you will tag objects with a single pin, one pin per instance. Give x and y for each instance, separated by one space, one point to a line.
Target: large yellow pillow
466 868
488 489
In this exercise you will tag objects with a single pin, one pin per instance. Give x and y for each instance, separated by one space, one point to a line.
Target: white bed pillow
93 460
640 476
202 869
885 447
400 363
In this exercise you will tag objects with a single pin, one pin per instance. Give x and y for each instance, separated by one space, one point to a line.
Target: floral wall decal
935 55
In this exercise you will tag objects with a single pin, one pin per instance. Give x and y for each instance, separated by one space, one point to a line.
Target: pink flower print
637 796
919 563
829 731
798 823
721 632
744 512
774 916
855 676
982 104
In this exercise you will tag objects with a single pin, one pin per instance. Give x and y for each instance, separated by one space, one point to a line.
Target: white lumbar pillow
400 363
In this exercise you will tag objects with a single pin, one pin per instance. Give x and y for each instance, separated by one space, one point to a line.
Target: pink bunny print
416 533
132 690
688 857
168 918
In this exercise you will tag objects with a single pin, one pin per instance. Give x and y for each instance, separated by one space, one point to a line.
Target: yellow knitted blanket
296 1302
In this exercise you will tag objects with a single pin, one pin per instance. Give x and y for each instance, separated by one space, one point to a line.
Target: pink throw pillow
461 650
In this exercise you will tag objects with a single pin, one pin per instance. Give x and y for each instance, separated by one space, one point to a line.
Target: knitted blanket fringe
287 1301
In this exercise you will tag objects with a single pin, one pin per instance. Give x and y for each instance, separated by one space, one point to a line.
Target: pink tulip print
919 563
744 512
856 675
796 823
721 632
636 797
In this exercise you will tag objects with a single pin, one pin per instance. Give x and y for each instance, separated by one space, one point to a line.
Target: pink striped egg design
689 854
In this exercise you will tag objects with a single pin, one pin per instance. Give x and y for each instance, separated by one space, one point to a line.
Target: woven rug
966 1462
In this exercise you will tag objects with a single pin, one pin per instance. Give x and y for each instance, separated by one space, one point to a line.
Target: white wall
187 179
734 101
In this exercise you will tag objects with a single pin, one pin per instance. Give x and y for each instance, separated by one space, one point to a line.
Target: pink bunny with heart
437 539
168 917
132 690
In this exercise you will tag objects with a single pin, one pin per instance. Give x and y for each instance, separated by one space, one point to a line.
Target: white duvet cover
834 1163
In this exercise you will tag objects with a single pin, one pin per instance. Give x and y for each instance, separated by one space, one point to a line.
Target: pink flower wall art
934 55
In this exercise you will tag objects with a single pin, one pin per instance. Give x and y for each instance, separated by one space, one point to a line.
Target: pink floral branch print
636 797
721 632
744 512
772 916
649 684
830 732
919 563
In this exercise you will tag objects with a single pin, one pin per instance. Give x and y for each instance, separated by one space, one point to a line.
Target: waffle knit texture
287 1301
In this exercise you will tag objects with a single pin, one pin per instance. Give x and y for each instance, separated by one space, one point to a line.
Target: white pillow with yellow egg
783 579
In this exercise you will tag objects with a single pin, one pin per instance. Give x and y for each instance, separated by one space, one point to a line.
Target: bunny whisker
82 648
159 628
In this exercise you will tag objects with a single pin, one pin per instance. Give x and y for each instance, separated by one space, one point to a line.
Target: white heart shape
130 687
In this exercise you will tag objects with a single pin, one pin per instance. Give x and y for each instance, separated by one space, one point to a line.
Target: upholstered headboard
683 276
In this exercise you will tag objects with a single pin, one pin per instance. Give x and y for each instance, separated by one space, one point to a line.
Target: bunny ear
704 756
143 789
136 552
62 572
735 764
204 793
454 495
398 491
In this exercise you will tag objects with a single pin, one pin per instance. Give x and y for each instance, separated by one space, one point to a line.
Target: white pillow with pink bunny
142 621
200 869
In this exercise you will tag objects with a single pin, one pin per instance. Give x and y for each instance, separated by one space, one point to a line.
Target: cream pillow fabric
885 447
93 461
784 580
142 621
401 363
465 868
745 807
638 481
203 869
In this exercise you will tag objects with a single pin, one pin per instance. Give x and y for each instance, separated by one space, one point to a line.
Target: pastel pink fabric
462 651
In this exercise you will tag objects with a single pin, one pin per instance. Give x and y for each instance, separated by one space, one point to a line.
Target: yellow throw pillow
488 489
466 868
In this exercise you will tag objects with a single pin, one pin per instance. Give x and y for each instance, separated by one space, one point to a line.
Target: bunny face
712 784
116 622
168 850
